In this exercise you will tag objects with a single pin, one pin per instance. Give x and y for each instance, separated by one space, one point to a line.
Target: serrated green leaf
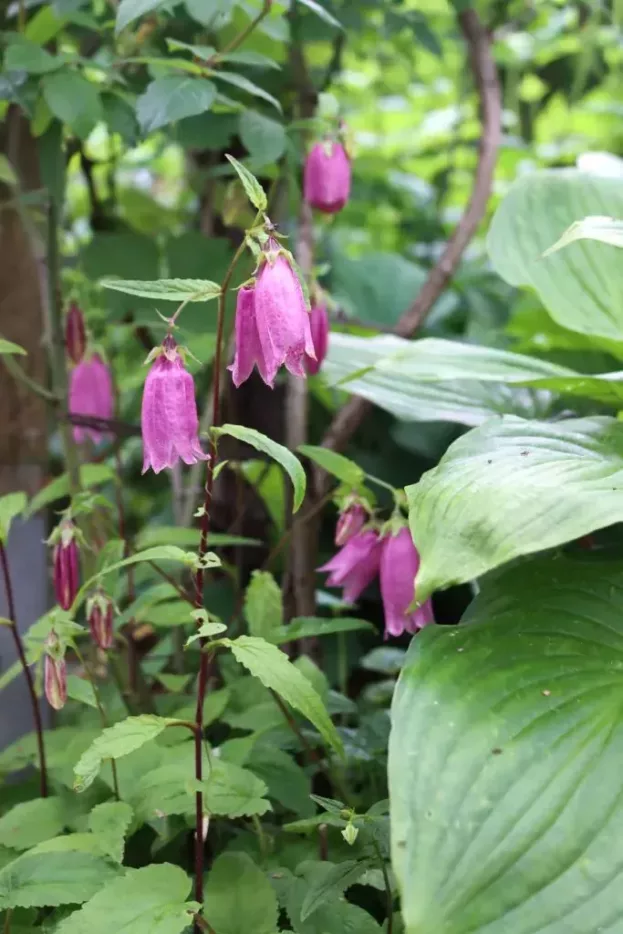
90 475
604 229
167 290
338 878
24 55
130 10
254 190
49 879
263 606
110 822
250 58
496 823
275 670
118 740
31 822
8 347
336 464
151 900
239 898
265 139
232 791
172 98
510 488
74 100
278 452
11 505
250 87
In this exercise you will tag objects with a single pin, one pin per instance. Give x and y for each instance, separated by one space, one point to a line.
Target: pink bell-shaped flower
169 421
399 566
355 565
272 323
319 324
350 522
55 672
100 614
326 181
75 333
66 564
90 393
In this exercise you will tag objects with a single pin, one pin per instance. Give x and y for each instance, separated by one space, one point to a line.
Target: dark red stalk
19 645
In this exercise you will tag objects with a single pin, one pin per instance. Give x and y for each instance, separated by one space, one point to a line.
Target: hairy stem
19 645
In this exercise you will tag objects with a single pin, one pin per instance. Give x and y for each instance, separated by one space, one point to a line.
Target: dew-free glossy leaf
278 452
167 290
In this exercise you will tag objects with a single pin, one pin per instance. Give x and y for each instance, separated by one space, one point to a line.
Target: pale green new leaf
8 347
167 290
263 606
504 758
252 187
48 879
275 670
278 452
337 465
30 822
512 487
110 822
118 740
605 229
239 897
11 505
151 900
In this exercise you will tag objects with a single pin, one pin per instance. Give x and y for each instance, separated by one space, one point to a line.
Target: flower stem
204 663
19 645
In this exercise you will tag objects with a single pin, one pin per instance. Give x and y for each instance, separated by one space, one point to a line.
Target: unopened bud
100 613
66 573
350 833
55 672
75 333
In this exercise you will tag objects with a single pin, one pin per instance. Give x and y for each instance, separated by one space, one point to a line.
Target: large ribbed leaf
513 487
504 760
582 285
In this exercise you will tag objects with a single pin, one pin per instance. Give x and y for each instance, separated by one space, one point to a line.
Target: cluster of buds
90 380
366 552
64 540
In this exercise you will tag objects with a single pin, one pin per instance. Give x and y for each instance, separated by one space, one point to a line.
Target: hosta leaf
512 487
604 229
275 670
167 290
151 900
48 879
580 286
239 898
504 759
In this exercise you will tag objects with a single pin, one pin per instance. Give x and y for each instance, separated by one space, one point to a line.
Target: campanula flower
355 565
399 566
350 522
319 323
90 393
75 333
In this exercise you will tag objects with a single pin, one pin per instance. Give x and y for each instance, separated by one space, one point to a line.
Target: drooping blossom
66 564
350 521
169 421
355 565
399 566
272 323
55 672
75 333
91 394
327 175
100 614
319 324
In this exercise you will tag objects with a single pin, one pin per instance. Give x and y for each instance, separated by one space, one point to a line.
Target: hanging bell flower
100 614
90 394
327 176
75 333
319 324
55 672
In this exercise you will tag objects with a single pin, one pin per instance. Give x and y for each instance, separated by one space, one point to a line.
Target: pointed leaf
118 740
167 290
11 505
239 898
263 606
250 87
8 347
278 452
345 470
173 98
49 879
254 190
110 822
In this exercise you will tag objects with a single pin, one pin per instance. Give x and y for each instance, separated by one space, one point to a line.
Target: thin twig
237 41
350 416
19 645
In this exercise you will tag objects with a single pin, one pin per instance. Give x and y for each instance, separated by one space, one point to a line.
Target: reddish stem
19 645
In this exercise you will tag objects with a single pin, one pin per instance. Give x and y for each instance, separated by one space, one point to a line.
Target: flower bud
169 421
100 613
55 672
399 566
350 522
90 394
326 181
272 322
319 324
66 570
350 833
75 333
